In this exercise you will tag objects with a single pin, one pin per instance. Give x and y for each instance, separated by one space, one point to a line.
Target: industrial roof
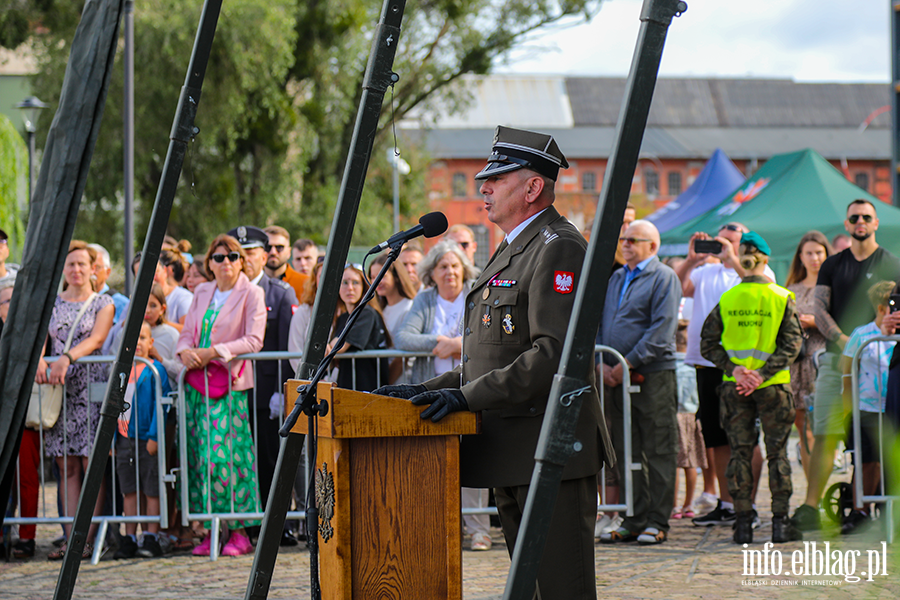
689 118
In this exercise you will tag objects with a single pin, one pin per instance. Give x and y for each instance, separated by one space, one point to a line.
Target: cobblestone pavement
694 563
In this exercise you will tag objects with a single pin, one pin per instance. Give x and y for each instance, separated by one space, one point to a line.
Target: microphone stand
307 403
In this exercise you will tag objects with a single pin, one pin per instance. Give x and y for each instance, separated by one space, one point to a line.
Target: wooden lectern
387 489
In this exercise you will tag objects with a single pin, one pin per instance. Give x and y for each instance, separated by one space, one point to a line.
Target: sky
803 40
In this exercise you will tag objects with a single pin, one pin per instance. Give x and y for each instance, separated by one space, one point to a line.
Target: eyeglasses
854 219
231 256
730 227
356 266
279 248
3 242
633 240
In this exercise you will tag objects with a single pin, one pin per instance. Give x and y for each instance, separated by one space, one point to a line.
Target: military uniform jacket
280 304
514 328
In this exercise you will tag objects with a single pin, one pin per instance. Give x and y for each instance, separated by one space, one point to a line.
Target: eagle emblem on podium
325 501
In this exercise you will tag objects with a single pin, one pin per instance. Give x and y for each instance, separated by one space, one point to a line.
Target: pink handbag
218 379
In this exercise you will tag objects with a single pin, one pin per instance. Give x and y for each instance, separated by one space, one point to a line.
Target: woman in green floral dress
227 318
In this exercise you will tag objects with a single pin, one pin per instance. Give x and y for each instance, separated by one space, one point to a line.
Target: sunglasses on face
279 248
854 219
730 227
633 240
231 256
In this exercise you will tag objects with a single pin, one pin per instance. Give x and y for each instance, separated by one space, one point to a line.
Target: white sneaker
602 524
615 524
705 503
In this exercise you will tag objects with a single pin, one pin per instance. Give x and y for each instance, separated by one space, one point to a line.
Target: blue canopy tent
718 180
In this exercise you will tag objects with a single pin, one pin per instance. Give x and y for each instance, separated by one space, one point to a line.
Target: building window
459 185
674 183
589 181
651 182
862 180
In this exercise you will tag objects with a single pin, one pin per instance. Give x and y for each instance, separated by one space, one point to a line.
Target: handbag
47 399
218 375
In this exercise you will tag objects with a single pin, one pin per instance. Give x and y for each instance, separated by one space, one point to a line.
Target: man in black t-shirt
841 306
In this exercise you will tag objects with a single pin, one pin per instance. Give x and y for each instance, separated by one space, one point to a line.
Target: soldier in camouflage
754 335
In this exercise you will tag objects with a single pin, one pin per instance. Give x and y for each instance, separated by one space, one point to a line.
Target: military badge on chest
508 326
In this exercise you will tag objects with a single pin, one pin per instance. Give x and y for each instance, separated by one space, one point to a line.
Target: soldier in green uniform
513 329
754 335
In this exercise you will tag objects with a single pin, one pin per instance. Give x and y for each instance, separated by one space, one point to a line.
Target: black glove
404 391
443 402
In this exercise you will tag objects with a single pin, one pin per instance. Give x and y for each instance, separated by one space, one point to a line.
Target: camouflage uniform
773 405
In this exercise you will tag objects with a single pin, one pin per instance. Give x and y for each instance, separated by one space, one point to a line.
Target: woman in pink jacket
227 317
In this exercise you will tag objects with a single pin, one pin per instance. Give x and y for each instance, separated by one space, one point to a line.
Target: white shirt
219 298
520 227
393 315
710 282
447 316
178 302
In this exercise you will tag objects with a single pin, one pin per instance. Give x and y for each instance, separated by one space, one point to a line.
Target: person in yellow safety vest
754 335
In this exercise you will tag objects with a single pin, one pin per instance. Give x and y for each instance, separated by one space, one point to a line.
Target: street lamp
399 166
31 108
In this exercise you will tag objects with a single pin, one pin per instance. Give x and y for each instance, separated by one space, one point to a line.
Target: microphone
430 225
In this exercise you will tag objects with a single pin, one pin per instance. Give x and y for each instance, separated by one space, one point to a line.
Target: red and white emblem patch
563 281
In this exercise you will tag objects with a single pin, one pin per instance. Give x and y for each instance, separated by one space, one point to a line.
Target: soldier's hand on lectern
404 391
443 402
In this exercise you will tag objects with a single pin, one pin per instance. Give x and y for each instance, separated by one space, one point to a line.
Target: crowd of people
756 357
718 351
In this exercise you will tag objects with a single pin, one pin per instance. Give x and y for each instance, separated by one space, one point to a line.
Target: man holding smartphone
705 282
841 306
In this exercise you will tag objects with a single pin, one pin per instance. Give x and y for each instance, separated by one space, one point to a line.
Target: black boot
743 528
784 530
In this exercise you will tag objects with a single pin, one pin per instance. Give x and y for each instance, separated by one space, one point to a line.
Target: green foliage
279 105
13 183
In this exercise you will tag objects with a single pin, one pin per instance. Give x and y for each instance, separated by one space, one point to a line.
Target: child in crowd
874 363
136 450
165 335
691 449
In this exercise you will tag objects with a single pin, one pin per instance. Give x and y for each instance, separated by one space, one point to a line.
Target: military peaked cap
519 149
249 236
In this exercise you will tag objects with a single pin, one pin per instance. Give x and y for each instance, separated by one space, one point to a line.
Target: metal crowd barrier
96 393
216 518
181 474
882 496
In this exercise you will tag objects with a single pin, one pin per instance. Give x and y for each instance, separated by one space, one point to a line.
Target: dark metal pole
895 101
557 441
379 75
114 403
128 129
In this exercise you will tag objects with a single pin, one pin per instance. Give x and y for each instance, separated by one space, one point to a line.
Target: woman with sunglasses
227 317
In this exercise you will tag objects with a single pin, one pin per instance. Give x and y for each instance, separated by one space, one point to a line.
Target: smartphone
707 246
894 303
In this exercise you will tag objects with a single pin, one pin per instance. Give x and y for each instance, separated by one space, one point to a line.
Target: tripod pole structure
114 403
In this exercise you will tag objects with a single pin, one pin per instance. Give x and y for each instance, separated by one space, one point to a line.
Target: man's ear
533 188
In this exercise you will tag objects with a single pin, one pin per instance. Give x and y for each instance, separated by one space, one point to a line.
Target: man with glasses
842 305
7 271
280 304
640 316
278 257
705 282
463 236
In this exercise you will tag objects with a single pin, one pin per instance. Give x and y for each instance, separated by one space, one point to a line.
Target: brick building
750 119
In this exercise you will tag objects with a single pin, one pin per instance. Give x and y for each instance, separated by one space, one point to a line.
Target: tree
13 183
279 105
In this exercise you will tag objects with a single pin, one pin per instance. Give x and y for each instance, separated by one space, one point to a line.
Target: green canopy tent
791 194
